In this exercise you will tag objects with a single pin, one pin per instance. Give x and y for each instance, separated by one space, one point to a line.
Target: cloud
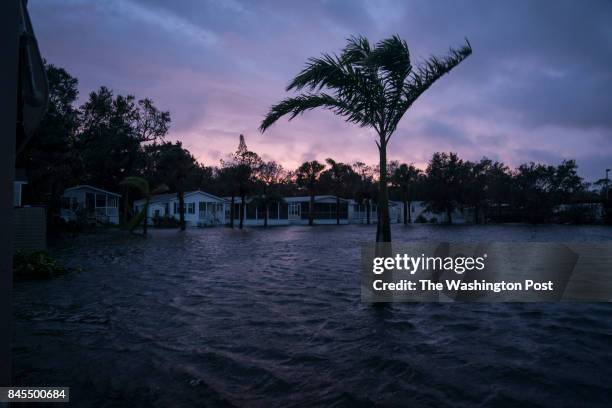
536 88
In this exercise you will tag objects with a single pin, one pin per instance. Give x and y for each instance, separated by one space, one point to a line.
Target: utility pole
9 12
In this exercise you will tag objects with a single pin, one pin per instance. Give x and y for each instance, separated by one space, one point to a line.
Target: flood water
215 317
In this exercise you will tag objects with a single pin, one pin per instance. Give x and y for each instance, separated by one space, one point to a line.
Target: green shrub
165 222
36 265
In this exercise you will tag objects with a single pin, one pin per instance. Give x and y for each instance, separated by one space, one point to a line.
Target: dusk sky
538 86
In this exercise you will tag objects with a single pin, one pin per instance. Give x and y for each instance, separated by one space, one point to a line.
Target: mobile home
93 204
200 208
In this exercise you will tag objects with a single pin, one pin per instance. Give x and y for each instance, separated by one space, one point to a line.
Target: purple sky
538 86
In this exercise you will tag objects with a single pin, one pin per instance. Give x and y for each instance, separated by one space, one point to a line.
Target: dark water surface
273 317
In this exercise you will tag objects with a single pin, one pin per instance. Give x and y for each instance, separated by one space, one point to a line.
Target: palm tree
142 185
370 86
403 177
308 176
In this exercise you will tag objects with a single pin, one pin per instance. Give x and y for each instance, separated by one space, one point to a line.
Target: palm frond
138 183
302 103
392 57
356 51
162 188
435 67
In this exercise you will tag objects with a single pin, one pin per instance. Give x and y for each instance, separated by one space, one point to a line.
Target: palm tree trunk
145 220
337 210
266 215
181 200
405 210
409 212
383 229
311 208
232 211
367 206
126 206
242 209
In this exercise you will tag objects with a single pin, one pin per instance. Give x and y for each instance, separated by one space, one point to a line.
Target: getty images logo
413 264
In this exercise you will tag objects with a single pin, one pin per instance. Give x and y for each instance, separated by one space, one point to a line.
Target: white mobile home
418 214
201 209
254 213
324 209
93 204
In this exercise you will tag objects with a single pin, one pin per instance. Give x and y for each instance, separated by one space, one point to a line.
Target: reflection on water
273 317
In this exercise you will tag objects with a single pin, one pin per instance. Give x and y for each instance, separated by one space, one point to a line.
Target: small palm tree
308 176
370 86
142 185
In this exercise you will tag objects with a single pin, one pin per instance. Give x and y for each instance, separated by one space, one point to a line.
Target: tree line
111 139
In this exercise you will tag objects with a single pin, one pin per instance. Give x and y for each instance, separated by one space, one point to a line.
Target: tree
307 175
500 186
174 163
269 175
365 189
112 134
51 161
339 174
228 179
142 185
244 163
403 177
444 182
533 191
369 86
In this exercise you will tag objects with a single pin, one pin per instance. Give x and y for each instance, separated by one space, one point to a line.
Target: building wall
30 229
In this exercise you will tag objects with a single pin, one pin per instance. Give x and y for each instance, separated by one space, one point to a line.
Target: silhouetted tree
245 163
366 189
444 180
269 175
307 175
403 177
176 163
51 158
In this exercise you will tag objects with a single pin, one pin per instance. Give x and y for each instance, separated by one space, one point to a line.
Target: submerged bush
36 265
165 222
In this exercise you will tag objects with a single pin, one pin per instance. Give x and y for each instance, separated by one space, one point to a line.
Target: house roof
316 198
172 196
88 187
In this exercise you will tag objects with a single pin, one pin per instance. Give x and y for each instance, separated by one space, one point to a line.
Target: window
111 201
294 210
190 208
157 213
100 200
201 206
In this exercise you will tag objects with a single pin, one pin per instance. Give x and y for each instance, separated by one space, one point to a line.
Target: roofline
320 197
93 188
187 194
